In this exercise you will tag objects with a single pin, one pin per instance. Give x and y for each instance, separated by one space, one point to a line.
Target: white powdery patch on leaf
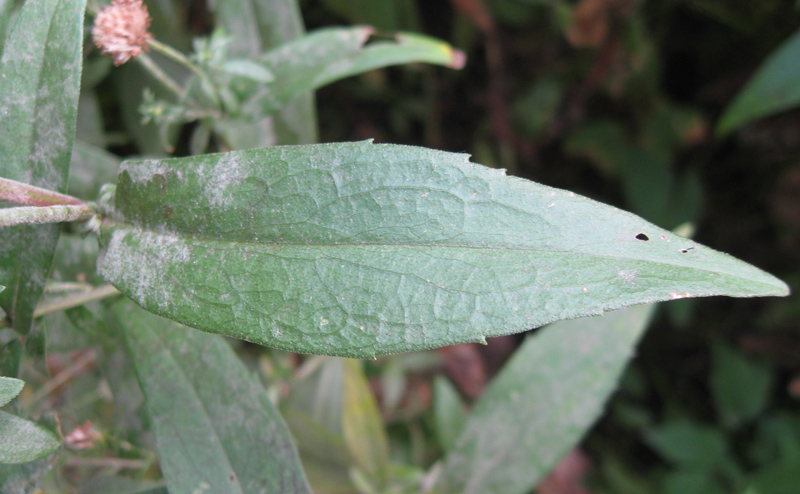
141 172
139 263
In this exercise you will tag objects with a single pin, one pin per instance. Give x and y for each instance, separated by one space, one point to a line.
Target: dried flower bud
120 30
83 437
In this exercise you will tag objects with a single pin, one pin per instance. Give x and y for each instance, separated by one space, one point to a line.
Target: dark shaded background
541 78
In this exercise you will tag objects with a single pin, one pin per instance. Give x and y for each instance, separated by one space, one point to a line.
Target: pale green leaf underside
22 441
358 249
532 415
216 429
9 388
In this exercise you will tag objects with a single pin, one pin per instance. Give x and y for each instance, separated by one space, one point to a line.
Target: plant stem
22 194
180 58
99 293
114 463
74 369
159 74
50 214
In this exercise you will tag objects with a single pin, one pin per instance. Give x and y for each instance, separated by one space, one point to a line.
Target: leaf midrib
188 237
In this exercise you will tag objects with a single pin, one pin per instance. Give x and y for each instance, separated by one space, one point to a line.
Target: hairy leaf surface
22 441
9 388
39 84
358 249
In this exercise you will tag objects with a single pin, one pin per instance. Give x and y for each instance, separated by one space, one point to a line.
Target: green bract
359 249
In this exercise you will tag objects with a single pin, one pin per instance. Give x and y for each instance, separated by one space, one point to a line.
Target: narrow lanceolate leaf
39 83
774 88
541 404
9 388
22 441
216 429
328 55
358 249
362 425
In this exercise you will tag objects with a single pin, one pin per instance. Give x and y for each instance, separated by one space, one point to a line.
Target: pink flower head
120 30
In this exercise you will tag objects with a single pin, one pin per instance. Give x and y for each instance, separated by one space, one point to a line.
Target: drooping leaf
22 441
9 388
39 85
257 26
774 88
357 249
328 55
216 429
542 403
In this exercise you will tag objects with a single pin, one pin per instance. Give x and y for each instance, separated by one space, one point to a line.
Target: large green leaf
216 429
774 88
22 441
9 388
39 85
257 26
542 403
358 249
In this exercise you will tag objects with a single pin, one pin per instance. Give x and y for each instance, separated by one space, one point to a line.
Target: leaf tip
457 59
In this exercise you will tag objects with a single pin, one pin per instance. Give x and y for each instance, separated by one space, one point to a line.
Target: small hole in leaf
372 37
642 237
